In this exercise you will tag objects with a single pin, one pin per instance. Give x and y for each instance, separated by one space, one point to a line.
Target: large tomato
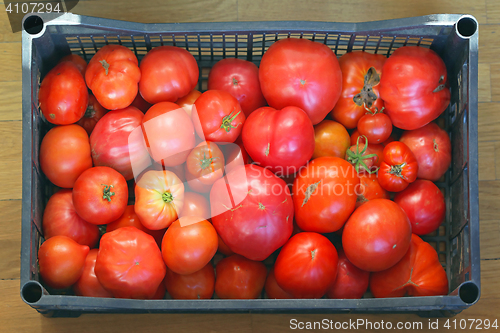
399 167
377 235
414 87
273 290
261 220
113 75
65 154
331 139
351 282
195 204
80 63
94 112
168 73
324 194
369 189
361 73
240 78
187 101
197 285
88 284
307 265
302 73
206 162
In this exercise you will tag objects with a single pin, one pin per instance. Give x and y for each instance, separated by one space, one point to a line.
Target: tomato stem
366 96
235 81
227 120
206 162
90 112
357 158
167 197
397 170
105 64
436 146
106 192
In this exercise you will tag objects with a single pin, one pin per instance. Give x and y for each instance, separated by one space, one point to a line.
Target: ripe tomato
80 63
414 87
113 75
354 137
432 148
240 78
324 194
273 290
197 285
94 112
196 185
206 162
239 278
65 154
331 139
281 140
377 235
88 284
160 292
424 205
360 86
60 218
223 248
261 222
301 73
235 155
419 273
366 158
306 265
369 189
140 103
61 261
195 205
399 167
63 95
129 264
187 101
375 126
351 282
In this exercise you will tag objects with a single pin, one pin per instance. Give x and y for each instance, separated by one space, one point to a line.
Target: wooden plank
490 284
487 167
6 34
497 159
11 179
10 62
484 83
10 239
10 140
488 122
495 82
10 100
489 48
489 234
489 196
493 11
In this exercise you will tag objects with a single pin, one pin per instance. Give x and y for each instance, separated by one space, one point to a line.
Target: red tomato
360 86
261 222
306 265
196 185
369 189
324 194
331 139
235 155
63 95
198 285
302 73
113 75
129 264
223 248
354 137
65 154
239 278
100 195
160 292
206 162
281 140
366 158
375 126
187 101
88 284
419 273
168 73
432 148
399 167
80 63
195 205
414 87
351 282
273 290
61 261
240 78
140 103
424 204
94 112
377 235
60 218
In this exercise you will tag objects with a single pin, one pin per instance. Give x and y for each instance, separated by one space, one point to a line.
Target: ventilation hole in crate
32 292
442 247
466 26
442 258
433 244
442 230
33 24
468 292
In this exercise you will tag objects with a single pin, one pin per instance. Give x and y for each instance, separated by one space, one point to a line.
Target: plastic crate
453 37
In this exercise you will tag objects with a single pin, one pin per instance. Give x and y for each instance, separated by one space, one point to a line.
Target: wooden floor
15 316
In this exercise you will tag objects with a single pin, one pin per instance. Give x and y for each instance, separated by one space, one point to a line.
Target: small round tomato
187 101
94 112
375 126
399 167
206 162
331 139
369 189
197 285
273 290
351 282
88 284
80 63
196 205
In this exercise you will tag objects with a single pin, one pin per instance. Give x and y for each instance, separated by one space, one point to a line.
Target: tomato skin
92 115
240 78
63 95
60 218
61 261
431 146
419 273
331 139
369 189
414 87
187 101
273 290
399 167
140 103
351 282
301 73
196 185
235 155
307 265
206 162
377 235
239 278
223 248
80 63
197 285
424 205
88 284
65 154
376 127
195 204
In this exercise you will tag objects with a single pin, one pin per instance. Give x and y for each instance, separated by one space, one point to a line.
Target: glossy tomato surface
88 284
399 167
197 285
273 290
351 282
92 115
331 139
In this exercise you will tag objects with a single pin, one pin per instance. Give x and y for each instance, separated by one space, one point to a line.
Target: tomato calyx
167 197
206 162
357 158
441 85
366 96
105 64
375 111
227 120
313 253
235 81
106 192
397 170
90 112
309 191
261 206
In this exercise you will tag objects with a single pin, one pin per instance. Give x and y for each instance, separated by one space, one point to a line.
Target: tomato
361 73
168 73
88 284
129 264
94 112
424 204
301 73
306 265
61 261
197 285
273 290
377 235
432 148
331 139
187 101
218 117
324 194
419 273
366 158
414 87
351 282
159 197
60 218
223 248
80 63
375 126
206 162
113 75
65 154
235 155
239 278
161 292
169 133
281 140
399 167
240 78
195 205
261 220
117 142
196 185
369 189
140 103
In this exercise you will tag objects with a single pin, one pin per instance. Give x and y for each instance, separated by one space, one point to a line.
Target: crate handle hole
469 292
466 26
32 292
33 24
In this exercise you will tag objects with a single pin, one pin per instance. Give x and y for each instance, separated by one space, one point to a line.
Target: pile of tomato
307 177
